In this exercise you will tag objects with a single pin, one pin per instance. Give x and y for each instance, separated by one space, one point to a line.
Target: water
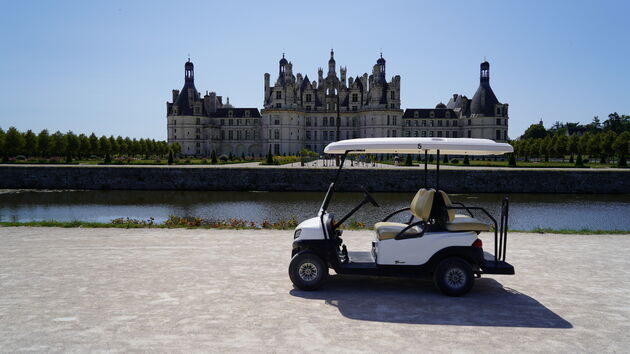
527 211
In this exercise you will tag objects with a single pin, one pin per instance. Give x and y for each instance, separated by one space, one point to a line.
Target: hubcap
308 271
455 277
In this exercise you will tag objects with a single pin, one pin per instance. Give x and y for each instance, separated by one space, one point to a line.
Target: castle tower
189 72
484 100
332 64
381 66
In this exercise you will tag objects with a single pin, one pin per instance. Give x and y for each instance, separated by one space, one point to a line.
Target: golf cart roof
452 146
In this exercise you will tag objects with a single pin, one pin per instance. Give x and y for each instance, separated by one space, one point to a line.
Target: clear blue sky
110 66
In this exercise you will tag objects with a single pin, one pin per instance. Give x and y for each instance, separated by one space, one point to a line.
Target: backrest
422 203
447 202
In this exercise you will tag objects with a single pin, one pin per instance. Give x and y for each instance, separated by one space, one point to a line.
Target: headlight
297 233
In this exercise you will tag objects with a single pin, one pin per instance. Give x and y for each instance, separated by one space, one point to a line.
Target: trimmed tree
170 157
408 161
213 158
466 161
30 143
512 161
269 160
620 146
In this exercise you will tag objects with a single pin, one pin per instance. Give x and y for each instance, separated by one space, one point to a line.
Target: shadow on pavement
418 302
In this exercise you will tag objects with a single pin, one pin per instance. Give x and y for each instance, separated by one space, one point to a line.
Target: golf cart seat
420 207
457 222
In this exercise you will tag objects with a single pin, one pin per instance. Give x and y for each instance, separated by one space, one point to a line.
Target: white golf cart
434 242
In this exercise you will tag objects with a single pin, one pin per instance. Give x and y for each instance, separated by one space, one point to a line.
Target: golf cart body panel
435 241
417 251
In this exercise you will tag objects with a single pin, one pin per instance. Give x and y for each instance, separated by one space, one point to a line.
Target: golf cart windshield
450 146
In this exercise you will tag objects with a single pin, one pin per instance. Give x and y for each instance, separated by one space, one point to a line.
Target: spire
484 72
331 64
189 72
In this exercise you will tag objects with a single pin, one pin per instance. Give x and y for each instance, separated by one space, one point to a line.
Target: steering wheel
369 197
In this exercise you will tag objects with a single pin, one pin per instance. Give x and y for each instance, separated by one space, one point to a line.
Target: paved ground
86 290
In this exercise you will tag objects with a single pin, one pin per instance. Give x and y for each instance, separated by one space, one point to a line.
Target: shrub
466 161
20 157
454 161
512 162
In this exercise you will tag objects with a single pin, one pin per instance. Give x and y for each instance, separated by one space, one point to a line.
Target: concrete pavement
118 290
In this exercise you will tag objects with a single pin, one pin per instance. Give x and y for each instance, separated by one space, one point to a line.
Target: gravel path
86 290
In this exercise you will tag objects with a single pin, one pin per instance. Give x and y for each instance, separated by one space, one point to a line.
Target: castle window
439 122
498 134
408 122
407 133
415 122
394 133
454 134
231 122
469 123
197 137
325 135
393 95
454 123
276 149
276 134
424 123
309 97
308 135
416 114
347 134
498 111
222 121
230 113
308 121
446 122
505 137
198 121
278 95
222 134
431 134
469 134
354 108
247 135
415 133
230 135
238 122
388 122
424 133
447 133
332 121
308 108
355 97
246 121
431 123
439 134
391 105
394 119
278 105
432 114
325 122
388 133
276 121
498 121
448 114
197 130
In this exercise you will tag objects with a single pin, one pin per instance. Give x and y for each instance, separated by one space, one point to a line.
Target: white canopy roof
451 146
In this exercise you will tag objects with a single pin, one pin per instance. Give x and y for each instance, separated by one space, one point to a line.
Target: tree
2 140
466 161
170 157
512 161
84 145
57 144
176 148
545 147
72 145
408 161
561 146
30 143
606 142
108 158
93 144
578 161
14 142
572 146
617 123
43 143
269 160
213 157
583 142
113 145
620 146
535 131
594 146
104 147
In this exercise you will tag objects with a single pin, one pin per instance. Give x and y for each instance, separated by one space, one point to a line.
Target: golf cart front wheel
454 277
307 271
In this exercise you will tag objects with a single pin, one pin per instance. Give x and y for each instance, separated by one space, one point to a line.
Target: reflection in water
527 211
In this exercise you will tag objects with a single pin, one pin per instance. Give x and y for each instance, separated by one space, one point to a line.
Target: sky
109 66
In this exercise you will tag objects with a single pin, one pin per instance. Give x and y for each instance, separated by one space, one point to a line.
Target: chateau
299 113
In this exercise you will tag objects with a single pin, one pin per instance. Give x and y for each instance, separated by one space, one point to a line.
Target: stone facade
302 114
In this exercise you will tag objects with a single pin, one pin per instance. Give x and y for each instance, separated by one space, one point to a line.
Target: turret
331 64
484 73
189 72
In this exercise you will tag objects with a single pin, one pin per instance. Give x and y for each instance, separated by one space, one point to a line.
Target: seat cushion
387 230
467 224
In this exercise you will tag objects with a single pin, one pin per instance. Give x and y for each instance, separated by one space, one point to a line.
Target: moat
527 211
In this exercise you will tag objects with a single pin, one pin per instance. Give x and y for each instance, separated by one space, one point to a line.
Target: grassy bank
237 224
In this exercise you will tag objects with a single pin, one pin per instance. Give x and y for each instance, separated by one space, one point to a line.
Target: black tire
307 271
454 277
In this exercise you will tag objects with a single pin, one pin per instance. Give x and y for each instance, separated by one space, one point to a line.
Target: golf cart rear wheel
307 271
454 276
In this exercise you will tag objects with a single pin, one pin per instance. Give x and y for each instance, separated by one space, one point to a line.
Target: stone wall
292 179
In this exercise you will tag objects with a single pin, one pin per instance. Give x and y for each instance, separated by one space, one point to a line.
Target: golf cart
434 242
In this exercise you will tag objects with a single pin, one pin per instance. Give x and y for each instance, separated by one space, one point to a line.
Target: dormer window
230 113
309 97
432 114
416 114
448 114
498 111
247 113
393 95
278 95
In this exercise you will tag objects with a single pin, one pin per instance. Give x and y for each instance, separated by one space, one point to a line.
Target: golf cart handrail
451 146
394 213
